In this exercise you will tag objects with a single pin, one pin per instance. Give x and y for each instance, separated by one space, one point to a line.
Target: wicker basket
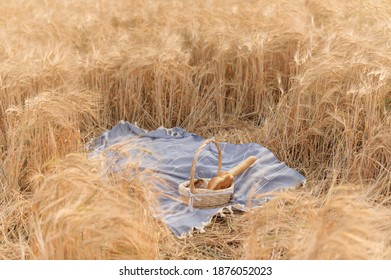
202 197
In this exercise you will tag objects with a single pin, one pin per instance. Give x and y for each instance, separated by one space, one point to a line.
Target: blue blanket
169 154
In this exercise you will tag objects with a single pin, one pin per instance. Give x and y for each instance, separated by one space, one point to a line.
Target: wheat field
310 80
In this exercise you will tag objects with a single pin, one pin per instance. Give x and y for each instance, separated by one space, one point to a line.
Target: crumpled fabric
169 154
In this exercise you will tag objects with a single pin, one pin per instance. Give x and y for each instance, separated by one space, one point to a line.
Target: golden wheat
308 79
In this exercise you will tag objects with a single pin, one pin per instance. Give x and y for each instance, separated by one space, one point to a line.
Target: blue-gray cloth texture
169 154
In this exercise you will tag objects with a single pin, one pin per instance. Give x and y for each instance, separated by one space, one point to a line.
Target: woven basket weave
202 197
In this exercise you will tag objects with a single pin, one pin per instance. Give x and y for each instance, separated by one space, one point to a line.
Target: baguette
226 179
241 167
222 181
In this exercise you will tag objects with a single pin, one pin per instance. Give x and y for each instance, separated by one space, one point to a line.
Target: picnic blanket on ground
170 155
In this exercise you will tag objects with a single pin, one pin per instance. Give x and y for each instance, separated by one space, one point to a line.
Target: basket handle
198 152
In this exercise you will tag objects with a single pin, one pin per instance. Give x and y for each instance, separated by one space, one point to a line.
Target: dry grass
310 80
299 225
